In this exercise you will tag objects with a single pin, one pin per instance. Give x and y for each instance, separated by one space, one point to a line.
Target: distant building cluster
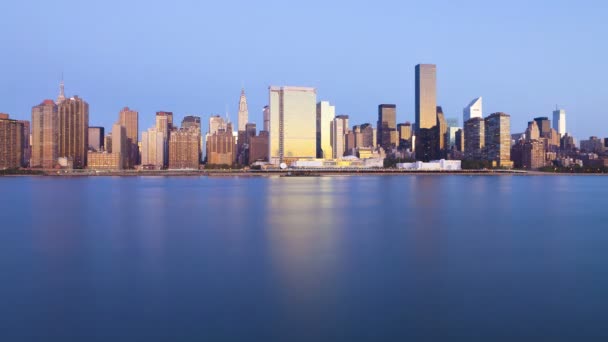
298 131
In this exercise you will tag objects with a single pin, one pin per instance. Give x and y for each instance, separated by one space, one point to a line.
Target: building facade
325 115
96 138
45 135
129 119
474 139
559 121
387 126
473 110
292 123
498 139
184 149
339 129
243 114
11 142
153 149
427 142
221 148
74 131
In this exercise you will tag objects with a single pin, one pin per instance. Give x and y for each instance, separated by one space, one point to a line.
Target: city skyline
202 73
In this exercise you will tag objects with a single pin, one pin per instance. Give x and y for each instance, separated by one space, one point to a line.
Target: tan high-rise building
427 141
221 148
119 144
442 131
184 148
258 147
129 119
387 126
45 135
339 129
11 142
74 130
152 149
96 138
325 115
292 123
498 139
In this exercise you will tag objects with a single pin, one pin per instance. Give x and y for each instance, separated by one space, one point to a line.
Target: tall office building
120 145
221 148
266 113
74 130
258 147
405 134
292 123
191 121
544 126
325 115
184 148
427 142
387 126
473 110
27 147
532 132
243 116
11 142
559 121
498 139
96 135
459 140
152 149
442 131
339 128
474 138
129 119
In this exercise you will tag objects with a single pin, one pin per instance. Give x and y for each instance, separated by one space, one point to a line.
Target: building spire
61 96
243 116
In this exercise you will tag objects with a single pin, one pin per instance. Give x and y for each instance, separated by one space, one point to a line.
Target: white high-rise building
559 121
325 115
243 116
153 148
473 110
339 127
293 130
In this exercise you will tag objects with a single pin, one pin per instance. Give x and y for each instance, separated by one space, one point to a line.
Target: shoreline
285 173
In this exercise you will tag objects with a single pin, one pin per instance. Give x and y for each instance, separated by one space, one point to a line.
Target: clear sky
192 57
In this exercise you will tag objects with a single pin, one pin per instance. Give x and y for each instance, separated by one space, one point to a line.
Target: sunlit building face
292 123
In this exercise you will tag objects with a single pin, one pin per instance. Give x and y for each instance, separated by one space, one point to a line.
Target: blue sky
191 57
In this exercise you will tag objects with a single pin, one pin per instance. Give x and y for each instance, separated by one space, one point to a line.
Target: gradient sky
192 57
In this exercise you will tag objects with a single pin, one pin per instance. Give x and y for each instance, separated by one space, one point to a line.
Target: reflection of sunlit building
292 123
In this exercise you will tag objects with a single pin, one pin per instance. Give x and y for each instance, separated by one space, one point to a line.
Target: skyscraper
191 121
119 145
27 148
559 121
339 128
152 149
266 113
498 139
96 135
544 126
474 138
405 134
325 115
442 131
427 142
387 126
11 142
473 110
292 123
243 115
164 125
129 119
532 132
74 130
221 147
184 145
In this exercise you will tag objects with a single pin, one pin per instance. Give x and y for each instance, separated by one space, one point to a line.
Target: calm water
304 259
